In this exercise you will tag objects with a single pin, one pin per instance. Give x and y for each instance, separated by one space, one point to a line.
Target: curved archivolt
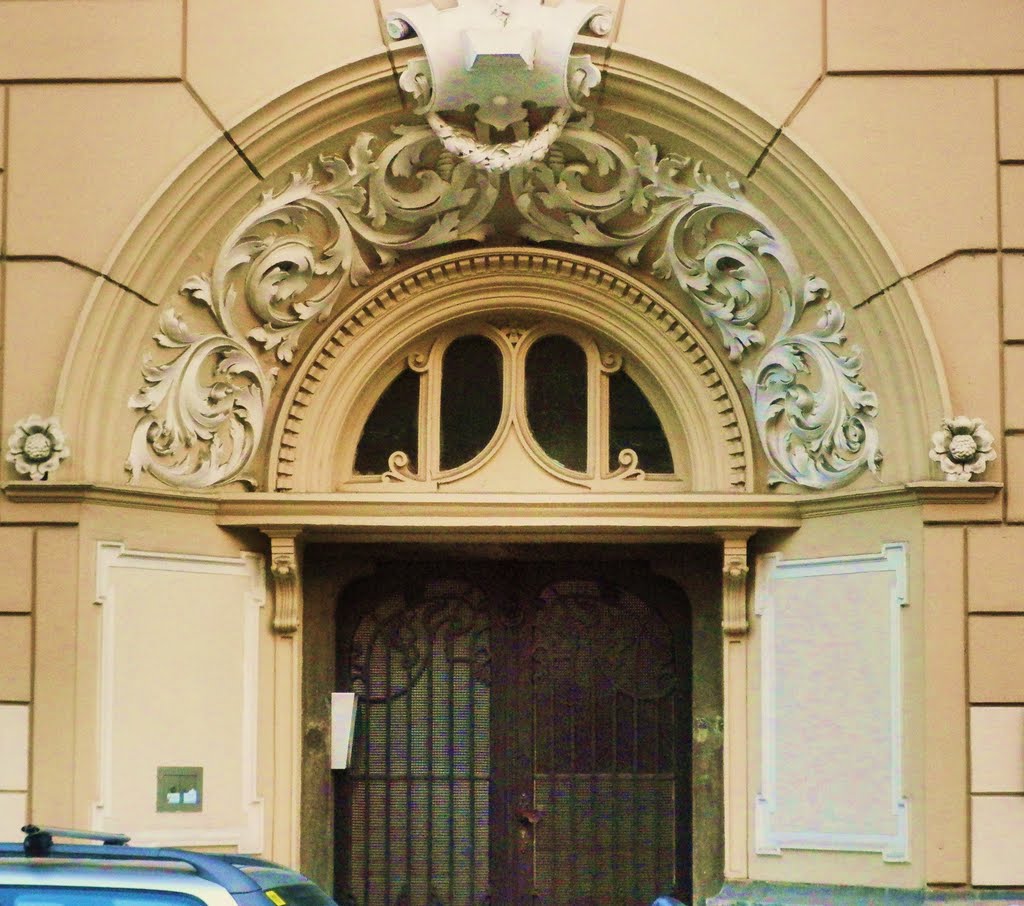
515 298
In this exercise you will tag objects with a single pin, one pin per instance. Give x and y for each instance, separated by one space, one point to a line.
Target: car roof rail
39 840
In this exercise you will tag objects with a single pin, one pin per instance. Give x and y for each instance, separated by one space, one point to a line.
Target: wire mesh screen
605 747
421 774
604 841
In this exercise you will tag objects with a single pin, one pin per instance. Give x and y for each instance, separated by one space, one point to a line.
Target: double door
522 737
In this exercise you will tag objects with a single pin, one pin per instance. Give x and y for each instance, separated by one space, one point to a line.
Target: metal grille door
522 741
420 785
605 748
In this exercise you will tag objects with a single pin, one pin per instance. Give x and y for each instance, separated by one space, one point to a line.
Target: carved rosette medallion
37 446
202 405
962 448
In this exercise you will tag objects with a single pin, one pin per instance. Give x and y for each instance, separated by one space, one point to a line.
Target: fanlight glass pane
556 400
634 425
470 399
392 426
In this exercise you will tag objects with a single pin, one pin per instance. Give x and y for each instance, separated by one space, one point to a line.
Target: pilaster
285 571
735 627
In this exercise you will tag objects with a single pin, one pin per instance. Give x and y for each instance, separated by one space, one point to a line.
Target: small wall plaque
179 789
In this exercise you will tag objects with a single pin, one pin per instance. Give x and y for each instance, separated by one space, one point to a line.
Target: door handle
527 814
528 818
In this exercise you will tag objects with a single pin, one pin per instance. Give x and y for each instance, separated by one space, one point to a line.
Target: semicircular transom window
578 410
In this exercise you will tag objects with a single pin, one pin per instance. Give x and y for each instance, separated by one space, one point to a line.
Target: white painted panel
997 829
831 704
832 683
179 681
13 748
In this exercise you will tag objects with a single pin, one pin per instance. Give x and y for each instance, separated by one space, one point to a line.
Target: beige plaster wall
54 754
916 108
17 601
945 633
995 632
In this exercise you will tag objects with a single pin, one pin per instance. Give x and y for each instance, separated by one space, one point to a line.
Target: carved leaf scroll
203 410
286 260
814 416
284 264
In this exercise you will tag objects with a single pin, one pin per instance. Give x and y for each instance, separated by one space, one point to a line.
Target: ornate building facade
623 400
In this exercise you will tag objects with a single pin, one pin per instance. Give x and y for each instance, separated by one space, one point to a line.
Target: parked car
39 872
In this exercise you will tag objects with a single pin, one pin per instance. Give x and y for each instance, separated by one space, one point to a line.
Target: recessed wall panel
179 674
997 827
831 704
13 748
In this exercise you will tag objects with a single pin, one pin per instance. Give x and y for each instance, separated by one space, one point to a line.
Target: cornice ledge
78 493
955 491
705 513
913 493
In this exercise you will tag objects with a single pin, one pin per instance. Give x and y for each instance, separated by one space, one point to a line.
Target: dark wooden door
522 739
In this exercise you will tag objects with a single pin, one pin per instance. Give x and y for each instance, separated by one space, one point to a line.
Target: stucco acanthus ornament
495 56
204 409
284 264
963 448
814 416
37 446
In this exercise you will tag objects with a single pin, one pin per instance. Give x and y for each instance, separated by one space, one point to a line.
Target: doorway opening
525 735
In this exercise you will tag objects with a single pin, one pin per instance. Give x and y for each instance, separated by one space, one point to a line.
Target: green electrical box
179 789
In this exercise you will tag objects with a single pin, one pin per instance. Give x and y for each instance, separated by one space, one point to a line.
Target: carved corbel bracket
285 571
735 570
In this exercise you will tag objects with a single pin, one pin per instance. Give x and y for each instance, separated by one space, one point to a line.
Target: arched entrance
527 713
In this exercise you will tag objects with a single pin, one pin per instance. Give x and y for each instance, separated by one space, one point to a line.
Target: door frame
697 568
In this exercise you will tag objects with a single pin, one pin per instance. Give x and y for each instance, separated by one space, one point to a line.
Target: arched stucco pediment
252 276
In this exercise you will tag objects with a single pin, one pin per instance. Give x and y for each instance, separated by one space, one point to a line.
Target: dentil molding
204 397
